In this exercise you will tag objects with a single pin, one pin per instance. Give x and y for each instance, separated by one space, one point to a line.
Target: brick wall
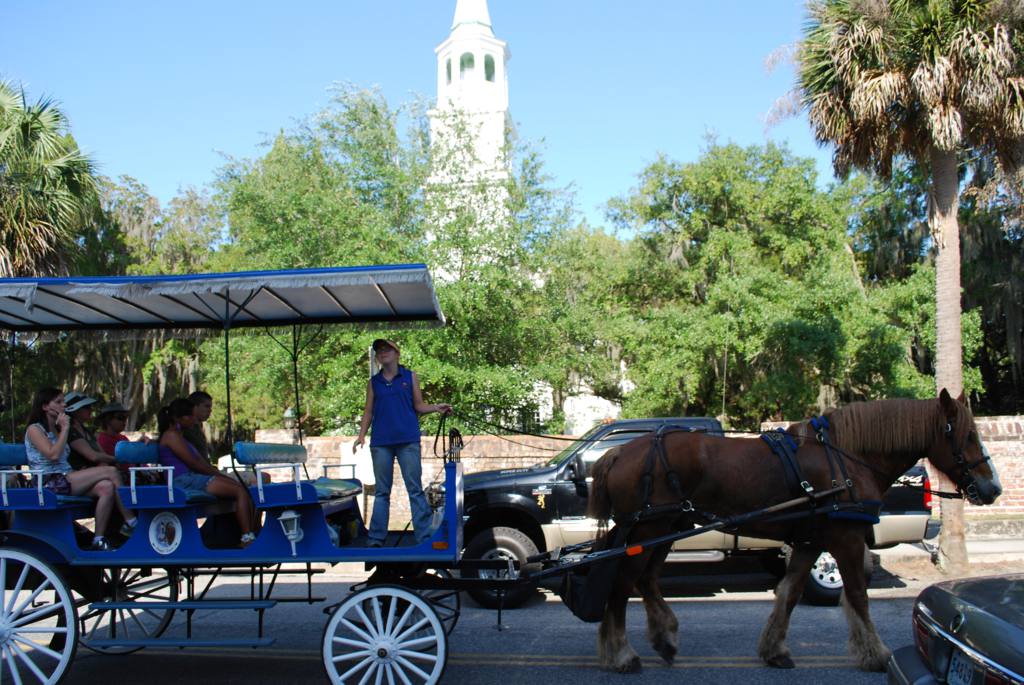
481 453
1002 435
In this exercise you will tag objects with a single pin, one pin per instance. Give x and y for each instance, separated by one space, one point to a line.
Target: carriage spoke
361 633
352 655
17 590
401 673
49 631
35 645
374 668
391 674
366 622
390 624
3 586
135 618
380 674
8 651
31 598
359 644
412 667
405 617
411 646
123 622
409 631
378 619
36 615
20 654
355 669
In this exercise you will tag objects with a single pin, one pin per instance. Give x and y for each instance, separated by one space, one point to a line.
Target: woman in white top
46 445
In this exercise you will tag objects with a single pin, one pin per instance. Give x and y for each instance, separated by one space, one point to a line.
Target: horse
871 443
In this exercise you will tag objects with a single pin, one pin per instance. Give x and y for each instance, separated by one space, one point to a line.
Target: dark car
966 632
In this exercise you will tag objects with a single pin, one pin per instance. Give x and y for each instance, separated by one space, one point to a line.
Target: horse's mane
892 426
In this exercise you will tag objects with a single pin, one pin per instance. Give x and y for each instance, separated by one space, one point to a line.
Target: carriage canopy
395 295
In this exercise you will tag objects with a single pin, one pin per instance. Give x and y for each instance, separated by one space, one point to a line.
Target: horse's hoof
666 651
631 666
781 661
875 665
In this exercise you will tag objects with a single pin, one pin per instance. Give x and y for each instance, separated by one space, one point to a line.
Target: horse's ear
962 399
947 403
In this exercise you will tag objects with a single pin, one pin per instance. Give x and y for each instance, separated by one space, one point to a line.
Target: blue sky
161 90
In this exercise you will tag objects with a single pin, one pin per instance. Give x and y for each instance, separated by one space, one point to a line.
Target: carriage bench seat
12 458
268 455
139 456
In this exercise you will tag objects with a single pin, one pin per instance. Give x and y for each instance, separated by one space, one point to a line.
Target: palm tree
47 187
927 79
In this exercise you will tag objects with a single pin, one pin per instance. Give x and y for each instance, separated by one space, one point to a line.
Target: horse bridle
966 483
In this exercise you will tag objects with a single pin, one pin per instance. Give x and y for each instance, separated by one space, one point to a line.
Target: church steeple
472 80
472 12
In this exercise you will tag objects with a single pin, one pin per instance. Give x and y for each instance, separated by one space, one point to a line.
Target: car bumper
905 667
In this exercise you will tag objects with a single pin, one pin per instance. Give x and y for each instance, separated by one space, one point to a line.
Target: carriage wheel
154 585
384 634
447 603
38 621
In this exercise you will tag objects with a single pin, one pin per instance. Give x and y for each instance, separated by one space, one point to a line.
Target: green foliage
746 294
47 187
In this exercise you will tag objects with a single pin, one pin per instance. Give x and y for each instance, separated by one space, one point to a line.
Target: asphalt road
542 642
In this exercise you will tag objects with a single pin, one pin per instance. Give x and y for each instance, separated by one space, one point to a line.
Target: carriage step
182 642
189 604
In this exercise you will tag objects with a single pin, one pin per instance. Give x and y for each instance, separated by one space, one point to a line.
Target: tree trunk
942 219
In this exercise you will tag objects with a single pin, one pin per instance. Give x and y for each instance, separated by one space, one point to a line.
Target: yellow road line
533 660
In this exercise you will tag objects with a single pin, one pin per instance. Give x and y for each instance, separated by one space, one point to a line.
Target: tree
348 187
740 295
47 187
927 79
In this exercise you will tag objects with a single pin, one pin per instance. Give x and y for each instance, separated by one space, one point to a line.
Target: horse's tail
599 504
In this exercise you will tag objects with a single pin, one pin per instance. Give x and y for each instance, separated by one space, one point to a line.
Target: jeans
408 456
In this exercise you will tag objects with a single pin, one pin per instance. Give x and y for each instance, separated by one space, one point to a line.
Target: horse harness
965 483
656 454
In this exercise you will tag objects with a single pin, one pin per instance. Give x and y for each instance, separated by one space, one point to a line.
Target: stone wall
1002 435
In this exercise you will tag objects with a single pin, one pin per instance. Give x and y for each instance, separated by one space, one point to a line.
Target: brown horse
729 476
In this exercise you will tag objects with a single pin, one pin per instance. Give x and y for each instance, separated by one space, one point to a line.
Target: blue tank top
395 421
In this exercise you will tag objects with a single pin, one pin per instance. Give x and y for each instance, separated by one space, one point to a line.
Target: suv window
594 451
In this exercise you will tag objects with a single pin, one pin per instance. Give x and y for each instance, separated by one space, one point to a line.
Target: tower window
489 68
466 64
448 69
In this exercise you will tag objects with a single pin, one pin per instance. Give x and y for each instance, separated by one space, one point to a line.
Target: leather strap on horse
820 425
784 446
656 454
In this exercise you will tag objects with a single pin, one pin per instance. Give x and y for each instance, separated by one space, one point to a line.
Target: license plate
961 670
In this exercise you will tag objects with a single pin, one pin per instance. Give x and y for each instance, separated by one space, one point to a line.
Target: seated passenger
47 450
192 472
85 450
111 421
196 436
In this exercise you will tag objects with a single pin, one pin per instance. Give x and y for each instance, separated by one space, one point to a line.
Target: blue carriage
56 594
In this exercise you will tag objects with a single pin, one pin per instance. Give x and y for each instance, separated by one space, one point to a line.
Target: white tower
472 94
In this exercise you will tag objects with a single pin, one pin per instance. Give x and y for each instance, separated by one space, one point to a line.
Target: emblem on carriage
165 533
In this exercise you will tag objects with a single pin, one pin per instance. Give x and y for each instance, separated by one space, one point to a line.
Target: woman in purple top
192 472
394 404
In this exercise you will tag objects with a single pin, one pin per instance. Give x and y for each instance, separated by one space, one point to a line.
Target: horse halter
966 483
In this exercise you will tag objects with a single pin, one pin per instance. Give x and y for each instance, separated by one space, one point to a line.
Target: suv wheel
824 583
496 544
